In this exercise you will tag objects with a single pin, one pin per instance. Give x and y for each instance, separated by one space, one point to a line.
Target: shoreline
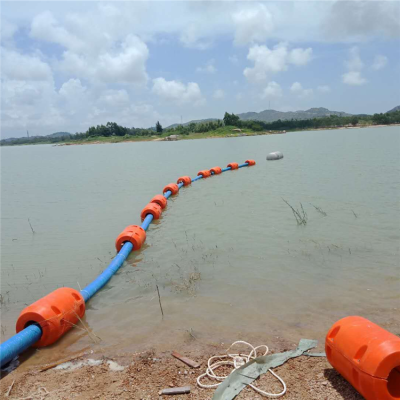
196 136
143 375
211 136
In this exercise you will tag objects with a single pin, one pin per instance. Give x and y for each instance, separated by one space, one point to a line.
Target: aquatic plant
299 214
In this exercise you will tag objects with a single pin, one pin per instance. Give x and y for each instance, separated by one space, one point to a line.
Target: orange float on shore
56 314
367 356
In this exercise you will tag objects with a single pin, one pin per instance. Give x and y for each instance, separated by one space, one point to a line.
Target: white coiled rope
237 360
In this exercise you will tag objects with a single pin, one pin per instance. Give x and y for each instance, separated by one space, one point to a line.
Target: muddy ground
145 374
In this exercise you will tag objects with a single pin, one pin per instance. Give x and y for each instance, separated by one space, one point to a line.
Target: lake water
227 255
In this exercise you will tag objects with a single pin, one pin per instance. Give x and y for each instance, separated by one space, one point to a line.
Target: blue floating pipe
14 346
19 343
90 290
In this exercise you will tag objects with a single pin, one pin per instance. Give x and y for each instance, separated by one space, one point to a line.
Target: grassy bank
225 131
221 132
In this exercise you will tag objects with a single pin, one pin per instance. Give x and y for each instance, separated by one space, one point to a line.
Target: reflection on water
227 255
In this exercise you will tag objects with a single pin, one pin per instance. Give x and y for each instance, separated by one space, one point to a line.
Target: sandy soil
146 373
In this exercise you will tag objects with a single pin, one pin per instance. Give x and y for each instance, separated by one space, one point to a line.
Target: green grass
220 132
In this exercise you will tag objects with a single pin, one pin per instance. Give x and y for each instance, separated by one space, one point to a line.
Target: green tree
159 128
231 119
354 120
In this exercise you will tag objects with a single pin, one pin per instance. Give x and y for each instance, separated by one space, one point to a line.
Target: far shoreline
194 136
209 135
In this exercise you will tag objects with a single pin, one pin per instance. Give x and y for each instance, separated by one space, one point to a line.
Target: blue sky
69 65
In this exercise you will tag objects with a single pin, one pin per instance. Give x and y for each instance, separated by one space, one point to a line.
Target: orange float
56 314
367 356
132 233
233 165
216 170
172 187
152 208
160 200
250 162
186 180
205 173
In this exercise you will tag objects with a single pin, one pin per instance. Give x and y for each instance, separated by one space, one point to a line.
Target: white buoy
276 155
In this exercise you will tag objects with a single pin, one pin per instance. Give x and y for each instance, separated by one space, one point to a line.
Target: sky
66 66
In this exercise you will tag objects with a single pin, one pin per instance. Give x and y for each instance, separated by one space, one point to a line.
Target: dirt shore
143 375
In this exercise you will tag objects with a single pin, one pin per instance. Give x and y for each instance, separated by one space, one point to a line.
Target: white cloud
297 88
219 94
29 105
16 66
177 91
354 65
208 68
354 62
46 27
253 25
72 89
114 98
273 89
361 20
379 62
8 29
128 65
191 37
268 61
353 78
324 89
101 56
300 56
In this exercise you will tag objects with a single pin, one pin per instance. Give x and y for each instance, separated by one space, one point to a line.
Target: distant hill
195 121
273 115
394 109
58 134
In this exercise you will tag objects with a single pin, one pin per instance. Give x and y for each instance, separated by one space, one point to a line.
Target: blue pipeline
31 334
90 290
19 343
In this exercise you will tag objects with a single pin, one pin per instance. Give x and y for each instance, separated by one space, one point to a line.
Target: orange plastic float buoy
216 170
206 173
233 165
250 162
160 200
132 233
152 208
186 180
172 187
56 314
367 356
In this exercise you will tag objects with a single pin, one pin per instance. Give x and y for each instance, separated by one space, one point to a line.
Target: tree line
112 129
332 121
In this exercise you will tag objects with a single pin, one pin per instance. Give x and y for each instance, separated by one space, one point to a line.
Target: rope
236 360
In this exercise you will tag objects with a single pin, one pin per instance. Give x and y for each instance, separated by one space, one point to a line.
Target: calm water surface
227 255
